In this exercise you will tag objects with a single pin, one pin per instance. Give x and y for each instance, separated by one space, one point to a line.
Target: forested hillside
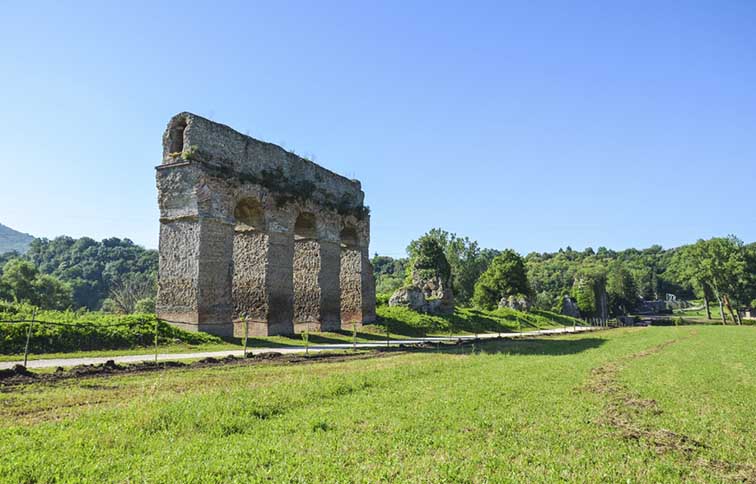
13 240
81 273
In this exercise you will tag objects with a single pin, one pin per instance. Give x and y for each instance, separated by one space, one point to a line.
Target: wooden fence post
28 337
157 326
246 333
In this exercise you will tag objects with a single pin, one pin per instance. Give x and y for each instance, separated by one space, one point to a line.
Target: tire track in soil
625 407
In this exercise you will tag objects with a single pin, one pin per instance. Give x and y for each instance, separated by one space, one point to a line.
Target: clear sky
531 125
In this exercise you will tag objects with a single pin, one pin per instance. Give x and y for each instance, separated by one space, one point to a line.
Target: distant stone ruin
252 233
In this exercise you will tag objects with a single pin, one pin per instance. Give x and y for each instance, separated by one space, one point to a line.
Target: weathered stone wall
179 262
242 157
228 206
351 285
249 285
330 285
306 287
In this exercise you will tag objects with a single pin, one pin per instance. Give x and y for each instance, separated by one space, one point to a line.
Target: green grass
404 321
518 411
102 339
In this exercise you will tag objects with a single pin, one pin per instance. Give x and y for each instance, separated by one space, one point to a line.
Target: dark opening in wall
249 215
305 227
349 238
176 137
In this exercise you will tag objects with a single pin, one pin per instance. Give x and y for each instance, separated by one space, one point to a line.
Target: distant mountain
13 240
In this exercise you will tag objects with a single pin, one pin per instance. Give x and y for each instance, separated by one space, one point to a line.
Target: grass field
629 405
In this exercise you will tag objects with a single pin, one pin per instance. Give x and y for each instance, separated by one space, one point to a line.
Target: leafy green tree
22 282
52 293
389 273
589 292
91 268
466 259
427 259
621 289
18 277
720 267
505 276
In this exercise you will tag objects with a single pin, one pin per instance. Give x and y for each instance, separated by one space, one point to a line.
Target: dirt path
126 359
624 411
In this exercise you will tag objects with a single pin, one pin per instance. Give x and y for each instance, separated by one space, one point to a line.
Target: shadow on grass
541 346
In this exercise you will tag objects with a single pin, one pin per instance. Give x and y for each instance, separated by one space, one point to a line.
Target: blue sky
530 125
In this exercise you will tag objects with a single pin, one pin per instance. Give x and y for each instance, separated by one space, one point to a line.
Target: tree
589 292
22 282
465 257
505 276
719 267
621 289
427 259
18 277
52 293
130 290
91 267
389 273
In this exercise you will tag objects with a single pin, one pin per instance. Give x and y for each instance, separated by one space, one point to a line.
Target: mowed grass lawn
630 405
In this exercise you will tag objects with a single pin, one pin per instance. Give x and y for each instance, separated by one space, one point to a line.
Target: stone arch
176 136
305 227
249 291
306 273
349 237
249 215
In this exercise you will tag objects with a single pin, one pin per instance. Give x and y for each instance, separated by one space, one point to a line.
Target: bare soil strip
624 409
21 376
18 375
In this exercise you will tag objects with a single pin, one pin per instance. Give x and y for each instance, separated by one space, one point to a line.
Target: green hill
13 240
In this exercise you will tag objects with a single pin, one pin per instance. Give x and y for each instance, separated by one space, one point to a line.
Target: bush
146 305
382 299
506 276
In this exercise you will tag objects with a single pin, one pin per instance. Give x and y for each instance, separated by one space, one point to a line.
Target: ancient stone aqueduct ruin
252 233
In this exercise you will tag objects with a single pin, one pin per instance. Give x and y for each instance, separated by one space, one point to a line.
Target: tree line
114 274
119 276
601 282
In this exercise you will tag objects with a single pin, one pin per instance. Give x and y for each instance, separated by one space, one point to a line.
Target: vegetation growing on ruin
285 189
578 408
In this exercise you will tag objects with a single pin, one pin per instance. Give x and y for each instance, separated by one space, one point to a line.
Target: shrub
62 331
506 276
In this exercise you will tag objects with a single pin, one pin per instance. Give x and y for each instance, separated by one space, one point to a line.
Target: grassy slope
402 322
520 411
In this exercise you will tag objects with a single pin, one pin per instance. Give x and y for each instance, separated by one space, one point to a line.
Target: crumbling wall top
228 153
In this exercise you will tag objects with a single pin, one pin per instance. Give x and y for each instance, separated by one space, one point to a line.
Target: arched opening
349 238
250 260
176 137
305 227
249 215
